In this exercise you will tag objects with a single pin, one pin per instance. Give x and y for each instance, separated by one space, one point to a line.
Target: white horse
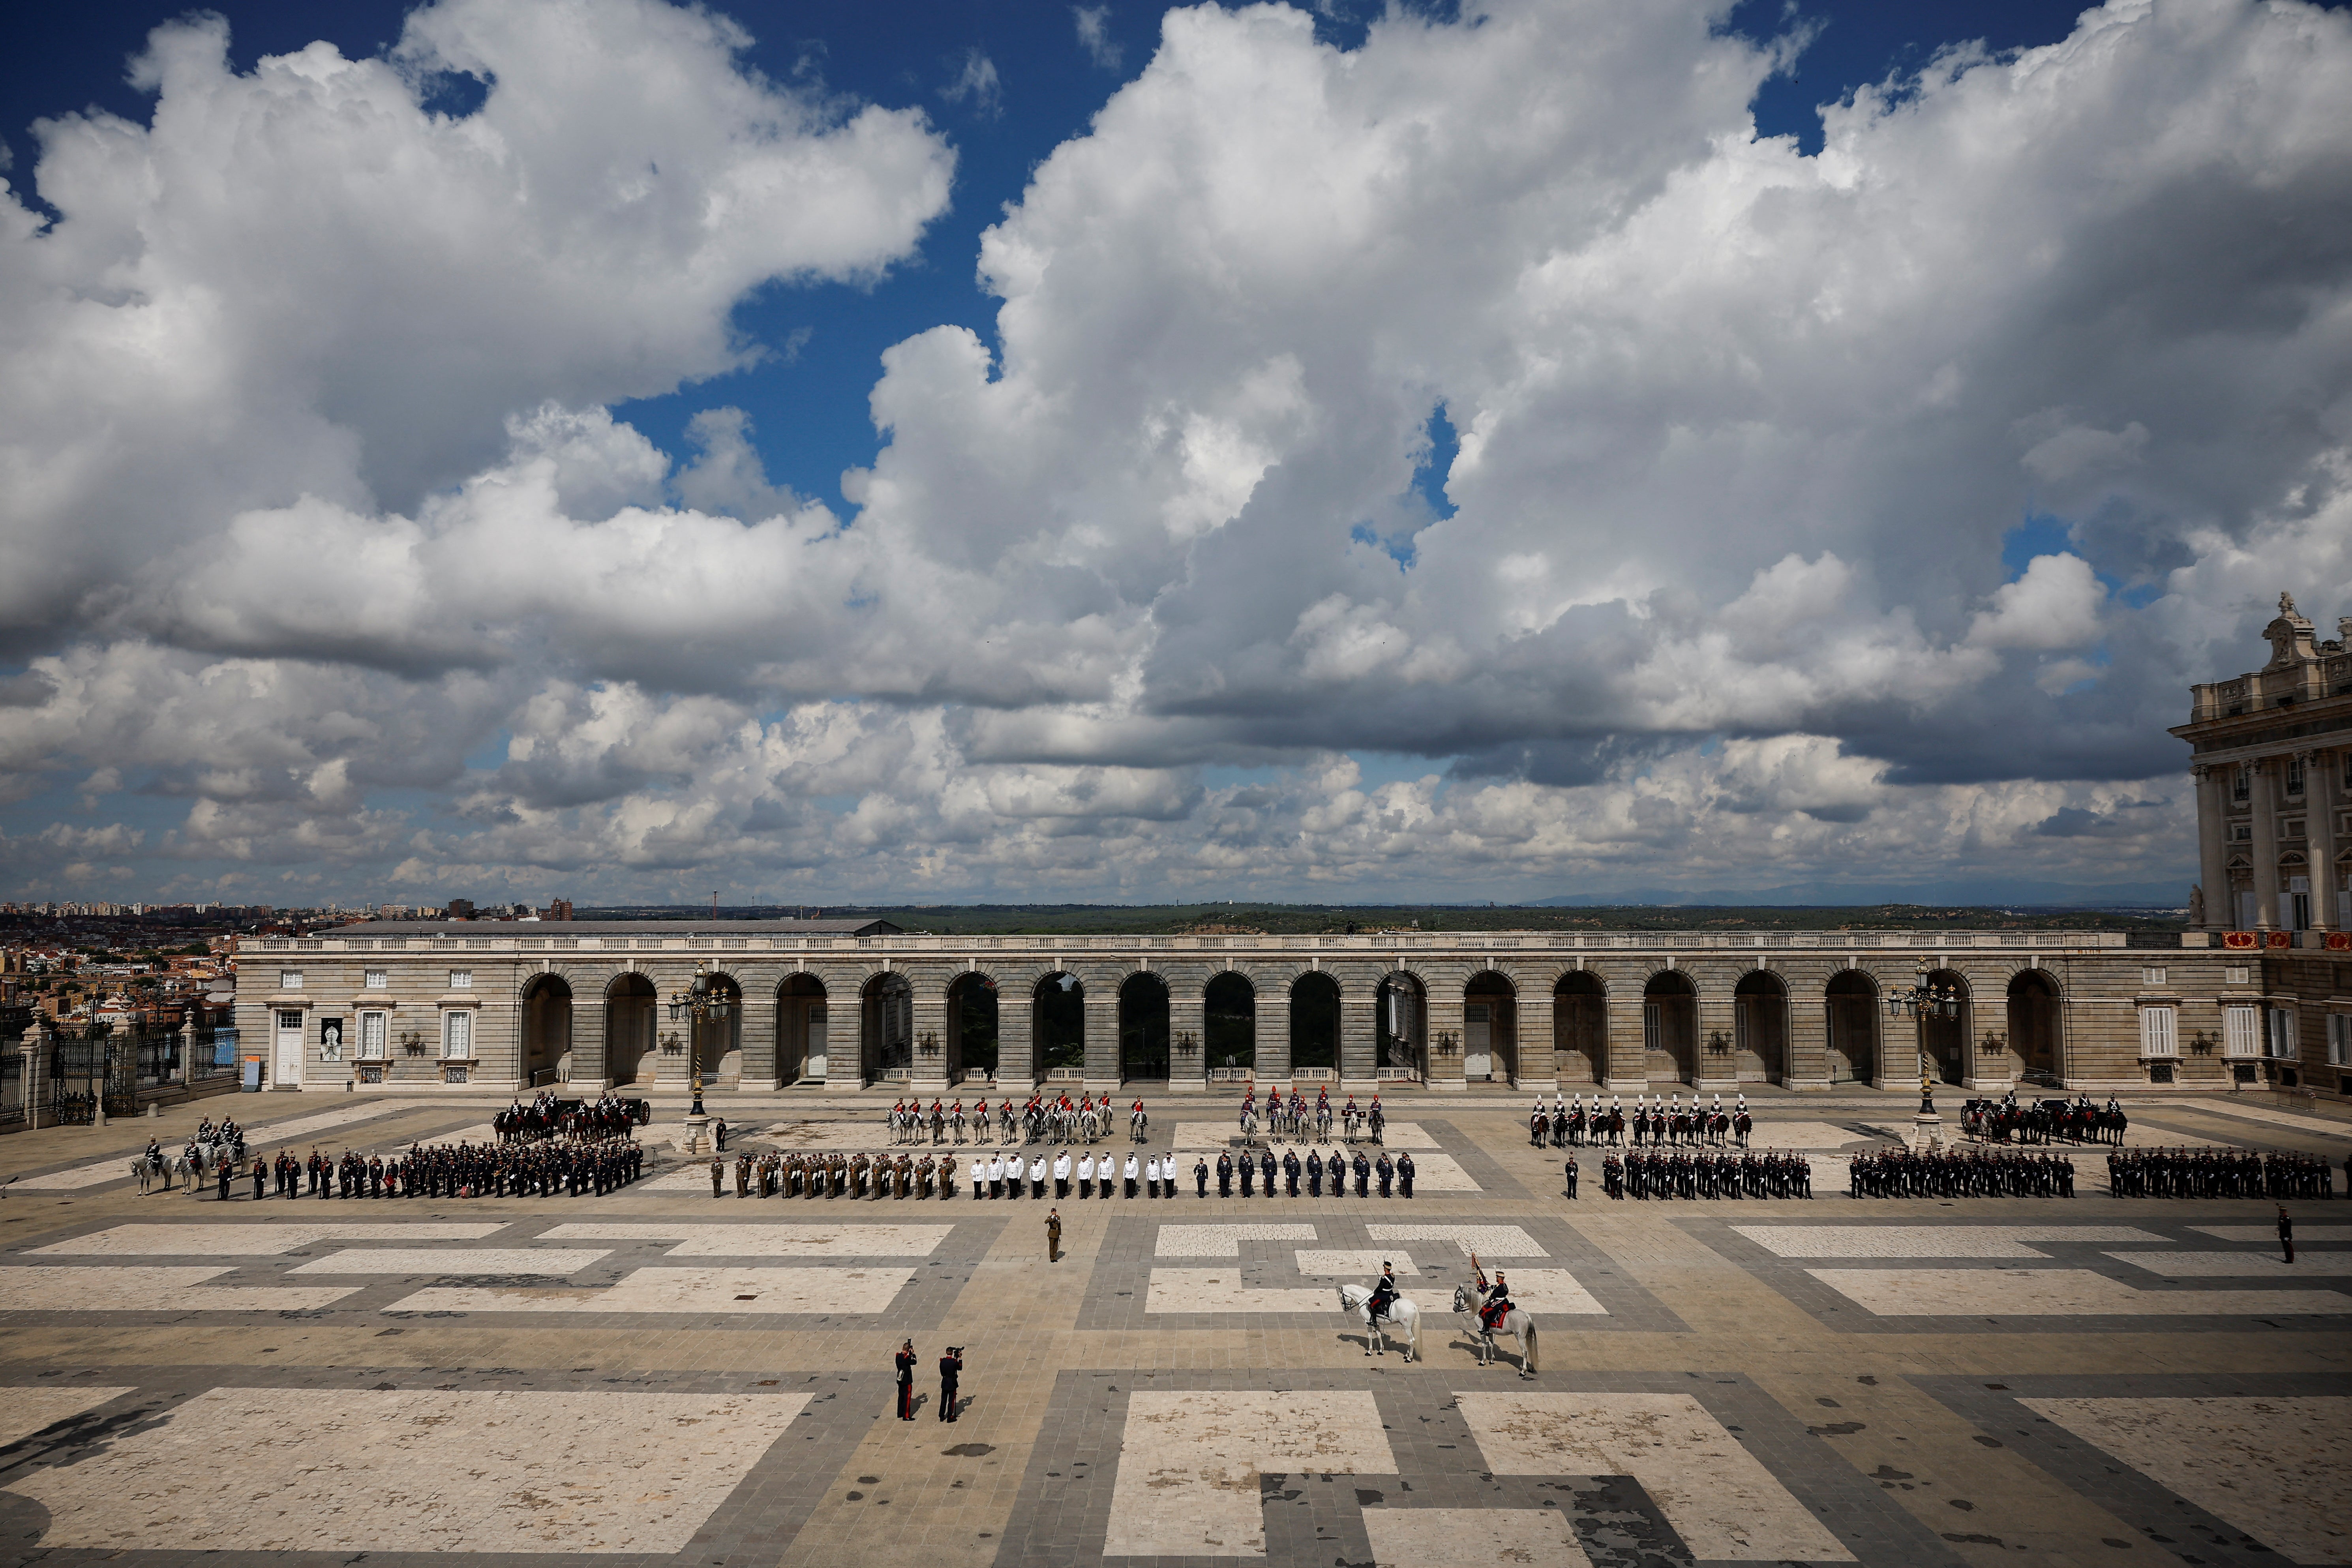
1517 1322
1138 1126
144 1175
1401 1316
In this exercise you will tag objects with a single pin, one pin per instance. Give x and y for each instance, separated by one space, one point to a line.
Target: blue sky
1424 453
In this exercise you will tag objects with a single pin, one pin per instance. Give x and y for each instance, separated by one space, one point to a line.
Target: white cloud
1094 36
315 492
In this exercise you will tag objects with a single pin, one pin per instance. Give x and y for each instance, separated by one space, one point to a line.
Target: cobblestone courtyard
663 1377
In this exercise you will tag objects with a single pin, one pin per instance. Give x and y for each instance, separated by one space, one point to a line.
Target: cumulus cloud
321 494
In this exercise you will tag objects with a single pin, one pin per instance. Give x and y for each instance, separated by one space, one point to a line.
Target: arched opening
972 1028
1143 1027
886 1029
2034 1026
1060 1018
1229 1026
1490 1028
1946 1041
719 1042
1851 1000
1579 1028
1314 1026
1759 1028
800 1029
1670 1028
1401 1014
629 1003
546 1032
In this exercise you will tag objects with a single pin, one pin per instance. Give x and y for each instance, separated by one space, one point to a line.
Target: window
2339 1038
2294 776
2238 974
2283 1032
372 1033
2241 1036
458 1033
330 1039
290 1019
2243 789
2156 1032
289 980
377 980
2151 975
461 980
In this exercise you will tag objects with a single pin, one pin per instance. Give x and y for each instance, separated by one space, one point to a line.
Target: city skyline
614 451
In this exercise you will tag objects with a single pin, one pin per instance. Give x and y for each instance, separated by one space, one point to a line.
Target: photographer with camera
951 1368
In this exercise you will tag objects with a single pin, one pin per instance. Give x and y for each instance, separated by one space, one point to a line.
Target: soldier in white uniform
1037 1176
978 1176
1087 1174
1132 1167
1062 1175
996 1175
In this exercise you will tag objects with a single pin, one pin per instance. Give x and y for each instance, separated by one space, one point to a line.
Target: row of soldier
1771 1175
2219 1174
1955 1174
570 1167
1006 1174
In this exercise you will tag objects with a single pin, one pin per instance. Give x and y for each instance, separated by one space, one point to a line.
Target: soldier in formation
1685 1173
2218 1173
1958 1173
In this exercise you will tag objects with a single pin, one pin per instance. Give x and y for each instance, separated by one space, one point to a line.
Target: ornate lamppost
1927 998
705 999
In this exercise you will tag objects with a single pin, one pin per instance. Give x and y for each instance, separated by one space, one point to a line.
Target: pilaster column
1102 1030
929 1018
1718 1016
2320 771
2265 792
1016 1033
588 1064
1533 1026
1272 1008
1188 1009
1808 1065
2213 845
1360 1046
1444 1003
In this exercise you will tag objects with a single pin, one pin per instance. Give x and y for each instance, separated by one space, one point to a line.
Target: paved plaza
658 1377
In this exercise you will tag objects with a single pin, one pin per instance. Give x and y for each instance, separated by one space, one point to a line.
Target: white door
289 1045
1477 1041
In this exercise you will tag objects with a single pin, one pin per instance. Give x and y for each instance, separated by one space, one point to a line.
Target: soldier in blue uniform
1384 1295
1266 1171
1386 1170
1363 1176
1224 1174
1201 1177
1290 1172
1314 1175
1249 1173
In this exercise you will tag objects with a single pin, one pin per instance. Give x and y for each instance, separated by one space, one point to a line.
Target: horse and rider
1498 1314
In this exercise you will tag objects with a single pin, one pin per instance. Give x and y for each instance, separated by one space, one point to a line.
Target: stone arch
1490 1027
631 1013
1314 1023
799 1028
1670 1026
719 1042
1400 1024
1759 1027
1057 1014
546 1031
885 1028
1579 1026
1947 1041
1851 1002
2037 1026
1143 1044
972 1027
1229 1020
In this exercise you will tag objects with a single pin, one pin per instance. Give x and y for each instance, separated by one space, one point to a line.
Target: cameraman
951 1368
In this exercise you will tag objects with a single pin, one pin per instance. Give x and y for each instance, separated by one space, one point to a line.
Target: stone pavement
658 1377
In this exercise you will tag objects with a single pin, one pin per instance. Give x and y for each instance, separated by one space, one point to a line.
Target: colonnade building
866 1006
2272 756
